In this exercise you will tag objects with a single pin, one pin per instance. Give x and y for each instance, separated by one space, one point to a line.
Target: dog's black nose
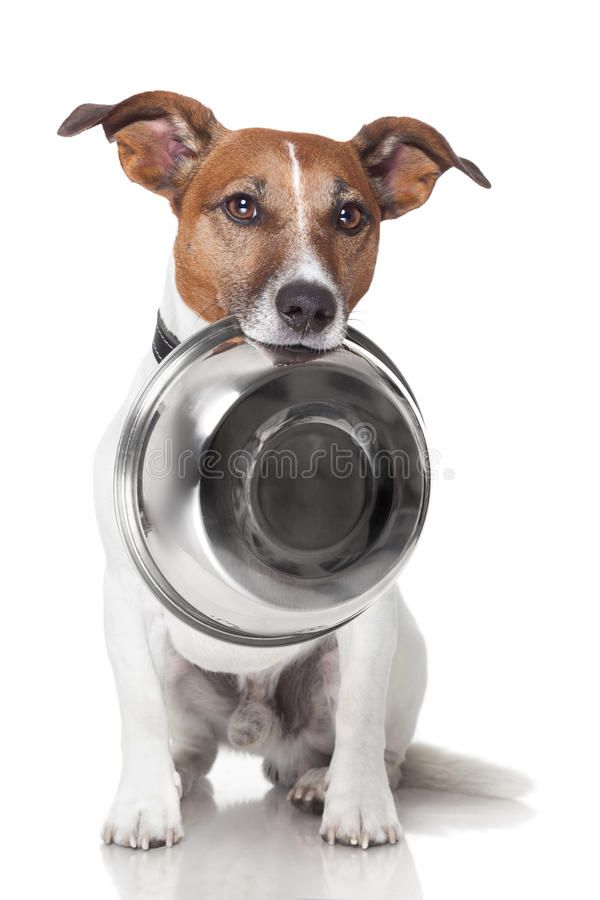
305 306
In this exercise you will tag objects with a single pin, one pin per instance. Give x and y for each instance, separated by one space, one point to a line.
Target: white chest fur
218 656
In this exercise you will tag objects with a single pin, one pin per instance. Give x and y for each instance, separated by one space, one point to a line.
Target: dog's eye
241 207
350 218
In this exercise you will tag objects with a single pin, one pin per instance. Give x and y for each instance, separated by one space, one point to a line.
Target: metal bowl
268 496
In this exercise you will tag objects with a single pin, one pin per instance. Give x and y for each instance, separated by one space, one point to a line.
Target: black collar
164 340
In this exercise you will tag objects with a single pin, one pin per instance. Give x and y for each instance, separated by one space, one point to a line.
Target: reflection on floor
264 849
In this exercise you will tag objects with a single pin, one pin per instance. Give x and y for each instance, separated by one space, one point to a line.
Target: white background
488 302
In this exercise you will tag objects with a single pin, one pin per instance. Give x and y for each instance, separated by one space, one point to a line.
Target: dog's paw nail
353 840
331 836
309 795
364 840
298 794
145 844
132 841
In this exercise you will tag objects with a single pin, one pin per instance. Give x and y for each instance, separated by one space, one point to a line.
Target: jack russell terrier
281 230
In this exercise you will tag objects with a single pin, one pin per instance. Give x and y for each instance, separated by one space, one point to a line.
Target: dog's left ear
403 159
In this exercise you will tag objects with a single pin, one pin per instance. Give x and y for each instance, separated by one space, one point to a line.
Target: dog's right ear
161 137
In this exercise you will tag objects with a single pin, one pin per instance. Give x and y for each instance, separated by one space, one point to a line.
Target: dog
280 230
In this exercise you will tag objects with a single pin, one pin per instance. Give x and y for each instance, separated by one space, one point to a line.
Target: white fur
298 192
431 768
382 681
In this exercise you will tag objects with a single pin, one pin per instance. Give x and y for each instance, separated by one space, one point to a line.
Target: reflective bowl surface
268 496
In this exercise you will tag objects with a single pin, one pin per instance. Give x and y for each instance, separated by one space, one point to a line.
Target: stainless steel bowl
268 496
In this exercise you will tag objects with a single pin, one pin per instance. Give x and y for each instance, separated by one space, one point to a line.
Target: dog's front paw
145 813
360 811
308 794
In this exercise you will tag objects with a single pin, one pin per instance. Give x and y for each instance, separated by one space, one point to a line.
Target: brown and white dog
281 230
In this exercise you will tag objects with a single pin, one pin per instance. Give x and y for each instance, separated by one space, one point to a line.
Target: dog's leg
359 806
408 679
197 714
145 812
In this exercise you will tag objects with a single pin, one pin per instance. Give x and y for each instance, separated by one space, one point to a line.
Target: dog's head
277 228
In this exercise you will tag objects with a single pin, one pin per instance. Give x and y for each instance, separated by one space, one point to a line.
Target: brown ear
161 137
403 159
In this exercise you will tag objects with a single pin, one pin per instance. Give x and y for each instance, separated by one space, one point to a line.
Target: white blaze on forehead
306 263
298 193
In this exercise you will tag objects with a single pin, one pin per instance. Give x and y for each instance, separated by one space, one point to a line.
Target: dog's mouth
298 347
277 336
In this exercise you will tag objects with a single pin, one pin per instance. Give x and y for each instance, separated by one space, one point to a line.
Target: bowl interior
320 483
